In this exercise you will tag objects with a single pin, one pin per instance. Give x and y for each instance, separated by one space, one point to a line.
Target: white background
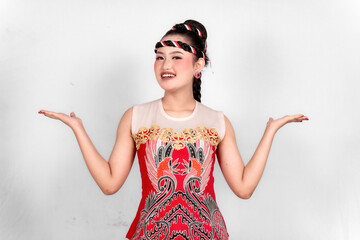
269 59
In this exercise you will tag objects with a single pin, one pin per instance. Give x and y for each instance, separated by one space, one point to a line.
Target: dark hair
195 41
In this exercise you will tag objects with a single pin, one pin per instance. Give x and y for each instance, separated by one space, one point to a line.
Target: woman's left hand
278 123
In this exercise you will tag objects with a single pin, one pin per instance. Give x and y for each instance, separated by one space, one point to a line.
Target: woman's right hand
72 121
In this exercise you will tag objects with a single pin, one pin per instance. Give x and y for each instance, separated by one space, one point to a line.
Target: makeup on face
172 62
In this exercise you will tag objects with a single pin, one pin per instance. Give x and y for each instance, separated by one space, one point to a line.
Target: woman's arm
109 176
244 179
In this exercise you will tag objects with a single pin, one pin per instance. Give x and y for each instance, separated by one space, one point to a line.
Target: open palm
278 123
70 120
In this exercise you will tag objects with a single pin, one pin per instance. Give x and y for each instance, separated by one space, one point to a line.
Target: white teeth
167 75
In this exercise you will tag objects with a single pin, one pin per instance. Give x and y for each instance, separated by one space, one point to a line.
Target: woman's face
174 67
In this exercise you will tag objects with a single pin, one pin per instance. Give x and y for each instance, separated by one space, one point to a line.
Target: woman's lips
167 75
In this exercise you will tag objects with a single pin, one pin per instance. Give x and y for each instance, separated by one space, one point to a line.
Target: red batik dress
176 159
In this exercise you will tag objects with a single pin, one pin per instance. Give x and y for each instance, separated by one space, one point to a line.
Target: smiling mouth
168 75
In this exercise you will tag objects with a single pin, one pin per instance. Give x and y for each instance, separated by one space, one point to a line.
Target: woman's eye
177 57
159 58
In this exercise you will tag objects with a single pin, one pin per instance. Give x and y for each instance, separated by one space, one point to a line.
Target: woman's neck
178 105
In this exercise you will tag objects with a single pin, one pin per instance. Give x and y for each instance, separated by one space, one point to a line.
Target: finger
44 112
301 118
72 114
49 114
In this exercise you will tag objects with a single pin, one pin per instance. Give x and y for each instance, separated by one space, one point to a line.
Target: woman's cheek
156 63
156 66
185 63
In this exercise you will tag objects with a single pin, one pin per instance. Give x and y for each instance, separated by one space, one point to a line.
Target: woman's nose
167 64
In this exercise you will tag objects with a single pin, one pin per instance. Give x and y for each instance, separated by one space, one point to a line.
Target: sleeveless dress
176 159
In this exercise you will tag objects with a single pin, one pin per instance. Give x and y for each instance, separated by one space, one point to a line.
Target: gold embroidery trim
178 139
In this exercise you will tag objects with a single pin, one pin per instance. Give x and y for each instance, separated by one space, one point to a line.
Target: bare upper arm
230 160
123 153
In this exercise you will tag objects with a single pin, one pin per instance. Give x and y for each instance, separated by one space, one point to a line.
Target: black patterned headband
178 44
184 26
187 27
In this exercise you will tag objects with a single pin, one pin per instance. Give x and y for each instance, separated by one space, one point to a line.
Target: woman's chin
168 89
166 85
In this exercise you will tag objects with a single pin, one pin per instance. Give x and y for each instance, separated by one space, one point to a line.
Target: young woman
176 138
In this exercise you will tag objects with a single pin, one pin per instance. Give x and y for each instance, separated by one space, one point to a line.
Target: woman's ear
199 65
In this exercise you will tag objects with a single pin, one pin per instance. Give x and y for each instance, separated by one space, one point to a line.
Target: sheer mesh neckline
175 118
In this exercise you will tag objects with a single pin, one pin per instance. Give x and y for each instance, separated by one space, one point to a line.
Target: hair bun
197 25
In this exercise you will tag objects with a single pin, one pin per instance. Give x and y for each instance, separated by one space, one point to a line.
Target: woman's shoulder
212 117
206 110
143 114
138 108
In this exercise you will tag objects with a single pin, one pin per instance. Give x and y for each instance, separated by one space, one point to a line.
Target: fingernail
306 119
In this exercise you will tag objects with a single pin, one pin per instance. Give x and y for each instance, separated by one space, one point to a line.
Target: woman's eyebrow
177 52
170 52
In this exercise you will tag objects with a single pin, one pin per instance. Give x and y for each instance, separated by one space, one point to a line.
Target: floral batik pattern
179 200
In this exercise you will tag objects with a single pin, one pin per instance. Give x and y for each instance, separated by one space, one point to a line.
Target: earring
197 75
